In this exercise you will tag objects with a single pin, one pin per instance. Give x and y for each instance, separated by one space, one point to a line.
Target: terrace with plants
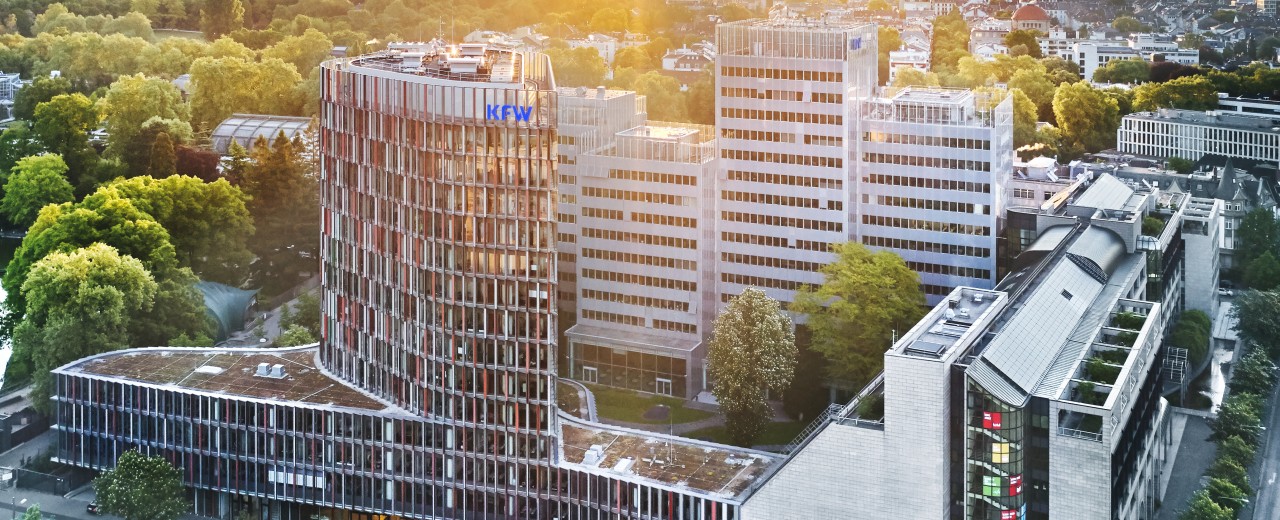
1101 367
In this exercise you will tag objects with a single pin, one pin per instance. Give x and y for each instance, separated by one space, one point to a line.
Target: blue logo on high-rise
502 112
855 43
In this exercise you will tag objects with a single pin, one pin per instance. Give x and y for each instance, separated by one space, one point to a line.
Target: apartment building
1191 134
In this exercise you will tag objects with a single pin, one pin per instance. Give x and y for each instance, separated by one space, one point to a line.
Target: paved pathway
1195 453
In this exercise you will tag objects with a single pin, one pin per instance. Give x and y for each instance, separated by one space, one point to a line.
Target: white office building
1191 134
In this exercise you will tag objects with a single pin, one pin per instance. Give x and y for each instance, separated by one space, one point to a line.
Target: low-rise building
1191 134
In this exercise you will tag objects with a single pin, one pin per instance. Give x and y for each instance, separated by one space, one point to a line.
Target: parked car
93 509
1225 292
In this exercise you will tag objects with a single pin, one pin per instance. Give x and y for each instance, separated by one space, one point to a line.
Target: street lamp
670 429
15 505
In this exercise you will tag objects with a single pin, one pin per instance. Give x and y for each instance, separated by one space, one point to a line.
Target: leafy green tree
1087 117
914 77
17 142
32 513
40 90
1123 71
888 39
294 336
219 17
580 67
79 304
609 20
281 187
132 102
752 349
35 182
1204 508
700 103
1257 316
865 298
1263 273
1235 449
304 52
1187 93
950 42
1259 233
1180 165
1254 374
141 488
1038 88
633 58
208 222
164 162
304 313
1239 416
63 123
1152 226
1025 116
1192 333
1232 472
1128 24
665 100
1226 494
1026 38
223 86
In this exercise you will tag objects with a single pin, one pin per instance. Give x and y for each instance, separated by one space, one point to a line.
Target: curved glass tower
438 201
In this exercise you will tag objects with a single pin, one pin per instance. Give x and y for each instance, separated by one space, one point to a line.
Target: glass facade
995 446
641 371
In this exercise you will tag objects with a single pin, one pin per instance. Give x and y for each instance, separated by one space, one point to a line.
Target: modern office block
1037 399
432 393
787 142
646 266
933 170
1191 134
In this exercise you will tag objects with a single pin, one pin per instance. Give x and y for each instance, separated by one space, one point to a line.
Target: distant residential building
1191 134
690 59
1267 7
986 38
1096 51
603 44
907 59
1262 106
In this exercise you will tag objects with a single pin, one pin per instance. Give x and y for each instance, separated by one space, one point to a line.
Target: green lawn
174 33
630 406
774 433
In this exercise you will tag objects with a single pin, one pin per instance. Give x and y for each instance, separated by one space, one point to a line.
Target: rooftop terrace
230 371
714 469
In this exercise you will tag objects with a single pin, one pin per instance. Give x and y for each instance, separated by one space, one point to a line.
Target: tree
78 305
219 17
223 86
1026 38
1038 88
752 349
1123 71
1087 117
1239 416
17 142
609 20
141 488
36 182
295 335
1263 273
1259 232
130 104
1204 508
1191 41
1186 93
281 186
1180 165
1128 24
866 297
1166 70
1236 450
912 77
1152 226
1255 374
632 58
304 313
580 67
63 123
700 101
1192 333
888 40
40 90
665 101
1232 472
1226 494
32 513
1024 119
163 159
304 52
208 222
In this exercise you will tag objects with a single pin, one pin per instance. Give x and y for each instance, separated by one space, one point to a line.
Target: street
1267 504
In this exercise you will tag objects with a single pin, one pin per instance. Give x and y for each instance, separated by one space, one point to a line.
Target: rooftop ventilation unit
264 369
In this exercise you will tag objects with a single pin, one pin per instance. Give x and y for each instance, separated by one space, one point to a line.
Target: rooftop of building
591 93
1214 118
782 18
940 106
638 339
655 130
471 62
1030 12
245 129
712 469
948 324
230 371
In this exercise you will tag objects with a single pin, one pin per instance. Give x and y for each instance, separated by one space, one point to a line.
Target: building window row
937 290
780 115
823 140
950 270
782 158
637 196
771 261
565 257
687 328
758 135
926 162
611 214
781 200
927 140
568 198
927 225
784 179
567 276
644 176
826 97
633 258
928 247
1024 193
610 317
762 240
664 220
631 299
757 281
567 159
934 205
651 281
751 93
775 220
927 182
567 218
641 238
567 238
800 75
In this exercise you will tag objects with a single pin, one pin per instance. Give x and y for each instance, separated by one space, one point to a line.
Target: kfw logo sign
502 112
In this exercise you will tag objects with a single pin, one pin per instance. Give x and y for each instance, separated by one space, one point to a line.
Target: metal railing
1080 434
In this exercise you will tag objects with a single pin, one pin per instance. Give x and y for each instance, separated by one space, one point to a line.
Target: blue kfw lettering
502 112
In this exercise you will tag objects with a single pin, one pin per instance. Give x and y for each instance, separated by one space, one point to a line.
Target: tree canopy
865 297
1123 71
1087 116
752 349
1186 93
141 488
133 101
36 181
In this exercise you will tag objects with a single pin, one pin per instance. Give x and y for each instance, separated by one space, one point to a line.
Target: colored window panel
991 486
1000 453
991 420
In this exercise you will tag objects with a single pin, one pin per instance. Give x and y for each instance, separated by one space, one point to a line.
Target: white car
1225 292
